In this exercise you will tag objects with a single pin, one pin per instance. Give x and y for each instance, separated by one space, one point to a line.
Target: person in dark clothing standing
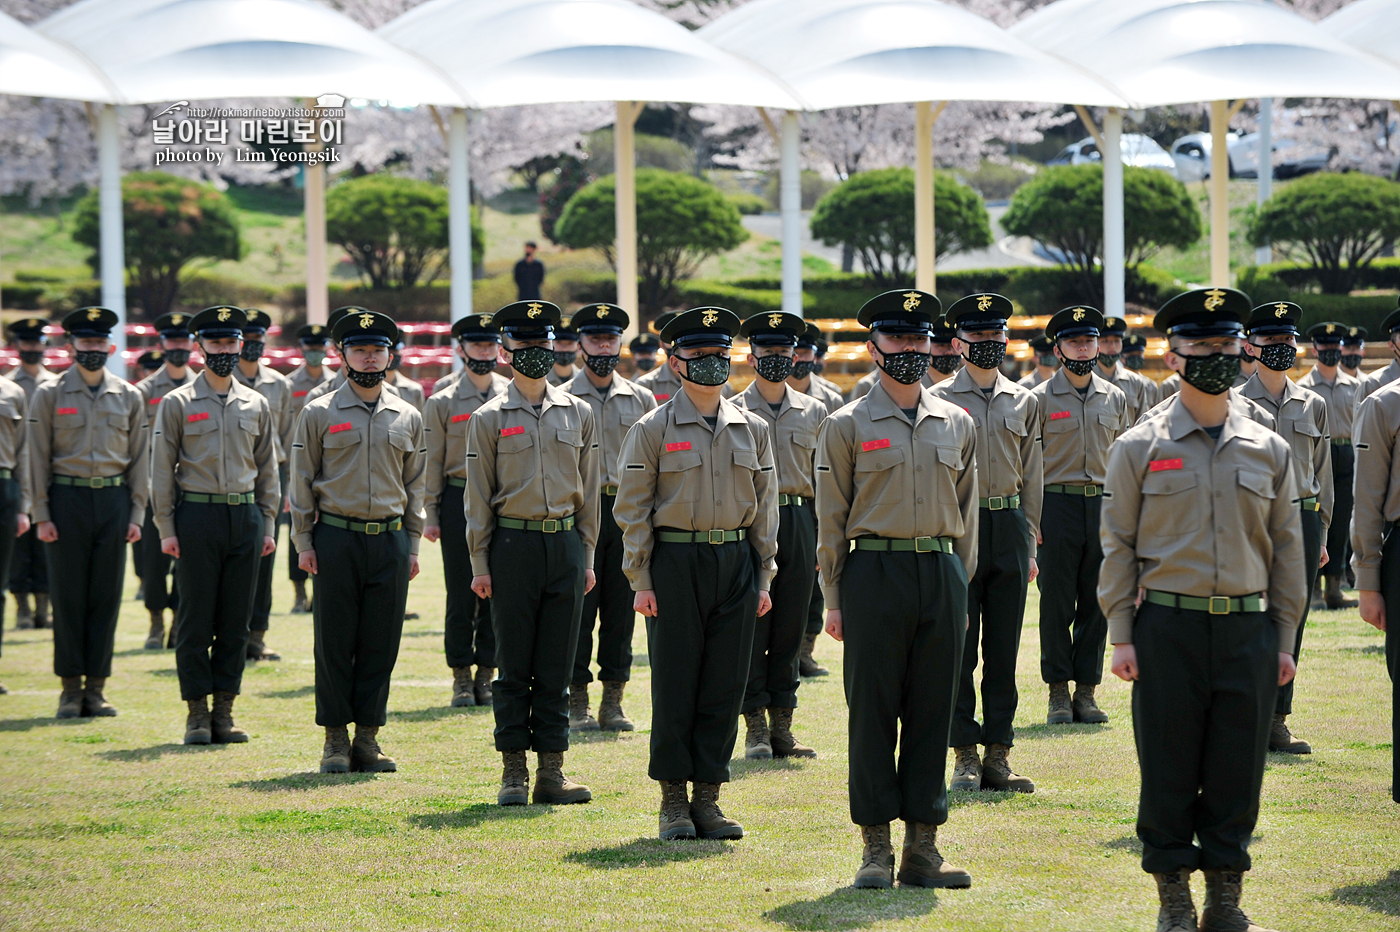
529 275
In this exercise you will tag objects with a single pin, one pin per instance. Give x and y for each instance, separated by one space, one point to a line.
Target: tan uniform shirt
1377 379
1193 516
302 384
155 387
356 463
613 417
559 381
1340 396
411 390
1009 459
277 389
793 435
445 419
867 381
1377 497
28 382
879 475
531 465
74 432
1076 430
1031 379
214 446
1246 407
1139 390
830 398
14 412
1301 420
664 384
1172 385
678 472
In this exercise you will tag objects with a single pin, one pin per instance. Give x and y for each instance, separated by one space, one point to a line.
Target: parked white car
1138 150
1192 156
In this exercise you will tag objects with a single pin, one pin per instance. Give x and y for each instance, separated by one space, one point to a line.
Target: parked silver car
1138 150
1191 153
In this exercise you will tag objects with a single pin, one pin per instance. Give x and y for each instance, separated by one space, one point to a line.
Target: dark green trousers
262 587
1312 552
156 566
9 514
610 604
1073 631
29 570
220 550
358 620
777 636
904 617
537 584
816 611
1202 708
86 565
1339 533
996 606
700 642
1390 589
468 636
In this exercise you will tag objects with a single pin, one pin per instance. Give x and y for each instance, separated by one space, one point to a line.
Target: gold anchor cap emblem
316 329
94 314
176 319
366 321
1078 313
224 315
485 320
709 317
1281 310
911 300
984 302
602 310
535 310
774 320
1214 298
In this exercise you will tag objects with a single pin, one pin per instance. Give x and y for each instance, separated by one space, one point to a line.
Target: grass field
112 824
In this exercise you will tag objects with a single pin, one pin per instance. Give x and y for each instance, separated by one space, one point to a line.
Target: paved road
1006 251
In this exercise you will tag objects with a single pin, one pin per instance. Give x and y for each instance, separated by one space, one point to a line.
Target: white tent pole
924 258
1265 254
790 203
459 216
1113 238
1219 194
317 297
625 162
111 245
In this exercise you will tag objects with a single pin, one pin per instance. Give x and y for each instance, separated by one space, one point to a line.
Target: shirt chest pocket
116 423
248 423
624 416
1061 422
950 467
1016 426
401 440
1171 504
1260 485
1110 422
879 475
745 476
342 443
564 453
199 423
678 478
1304 436
515 457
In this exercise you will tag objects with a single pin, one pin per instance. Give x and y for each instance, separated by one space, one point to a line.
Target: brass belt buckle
1223 603
714 537
550 525
373 527
996 503
1091 491
95 482
232 499
925 544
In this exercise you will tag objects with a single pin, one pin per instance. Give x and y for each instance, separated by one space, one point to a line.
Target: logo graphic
1078 313
176 107
1281 310
330 100
774 320
911 300
1214 298
316 330
224 315
535 310
709 317
176 319
984 302
603 311
1331 329
94 314
366 321
485 319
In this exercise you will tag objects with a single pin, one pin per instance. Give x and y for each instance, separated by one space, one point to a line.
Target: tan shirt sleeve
481 487
1373 432
966 546
763 532
1118 526
1288 589
1032 473
435 461
835 490
636 497
39 441
415 463
138 476
266 487
306 464
166 439
589 460
1322 468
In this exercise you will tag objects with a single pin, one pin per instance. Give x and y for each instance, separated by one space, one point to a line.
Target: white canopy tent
516 52
843 53
152 51
1160 52
1370 25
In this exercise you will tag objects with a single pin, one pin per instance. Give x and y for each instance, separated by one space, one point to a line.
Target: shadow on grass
424 634
301 782
849 908
1042 730
648 852
980 797
139 652
1382 896
476 814
157 751
1367 649
298 693
165 671
741 768
437 713
26 724
1126 843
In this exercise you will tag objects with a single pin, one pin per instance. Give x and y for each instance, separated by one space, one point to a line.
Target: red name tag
337 428
512 431
874 445
673 447
67 411
1160 465
201 416
460 417
153 401
662 397
1059 414
301 394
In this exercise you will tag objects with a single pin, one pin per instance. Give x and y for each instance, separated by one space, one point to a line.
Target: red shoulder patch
1162 465
673 447
301 394
1055 416
869 445
660 397
66 411
457 418
201 416
512 431
337 428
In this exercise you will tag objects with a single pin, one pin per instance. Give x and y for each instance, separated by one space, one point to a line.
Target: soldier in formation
29 571
305 378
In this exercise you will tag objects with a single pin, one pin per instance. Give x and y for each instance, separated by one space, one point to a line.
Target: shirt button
921 501
918 469
719 503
